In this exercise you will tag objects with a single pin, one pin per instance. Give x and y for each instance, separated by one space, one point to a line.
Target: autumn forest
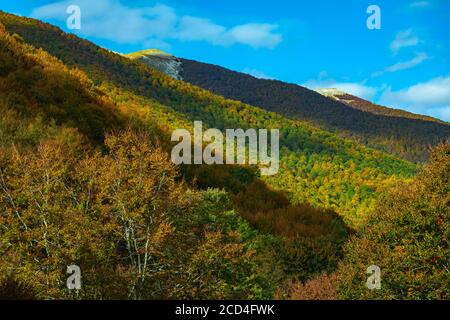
86 179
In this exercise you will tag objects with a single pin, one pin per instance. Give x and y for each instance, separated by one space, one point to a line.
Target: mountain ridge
368 106
159 60
87 180
391 130
316 166
405 137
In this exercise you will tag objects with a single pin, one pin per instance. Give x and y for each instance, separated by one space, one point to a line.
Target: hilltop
159 60
367 106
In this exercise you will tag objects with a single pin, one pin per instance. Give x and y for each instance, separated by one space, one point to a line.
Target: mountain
86 179
159 60
398 132
316 163
368 106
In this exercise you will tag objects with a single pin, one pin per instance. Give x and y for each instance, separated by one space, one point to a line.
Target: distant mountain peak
368 106
149 52
333 92
159 60
337 94
399 132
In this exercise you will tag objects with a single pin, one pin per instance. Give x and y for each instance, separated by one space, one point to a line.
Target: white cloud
404 39
418 59
420 4
257 73
353 88
256 35
430 98
192 28
111 20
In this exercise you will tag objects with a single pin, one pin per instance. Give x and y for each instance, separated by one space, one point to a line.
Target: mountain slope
85 179
405 135
368 106
159 60
316 167
84 182
68 195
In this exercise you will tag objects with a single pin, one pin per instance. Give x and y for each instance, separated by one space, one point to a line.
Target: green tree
407 237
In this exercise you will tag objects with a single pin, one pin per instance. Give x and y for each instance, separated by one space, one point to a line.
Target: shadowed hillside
389 130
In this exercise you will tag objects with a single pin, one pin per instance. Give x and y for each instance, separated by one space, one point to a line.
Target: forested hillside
399 133
86 179
408 236
364 105
316 167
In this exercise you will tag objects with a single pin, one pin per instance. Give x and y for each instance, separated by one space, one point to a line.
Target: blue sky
320 43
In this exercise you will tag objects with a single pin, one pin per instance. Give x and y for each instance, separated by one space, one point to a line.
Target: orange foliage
320 288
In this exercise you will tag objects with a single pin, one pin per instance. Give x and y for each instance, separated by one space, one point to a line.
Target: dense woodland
400 133
86 179
367 106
